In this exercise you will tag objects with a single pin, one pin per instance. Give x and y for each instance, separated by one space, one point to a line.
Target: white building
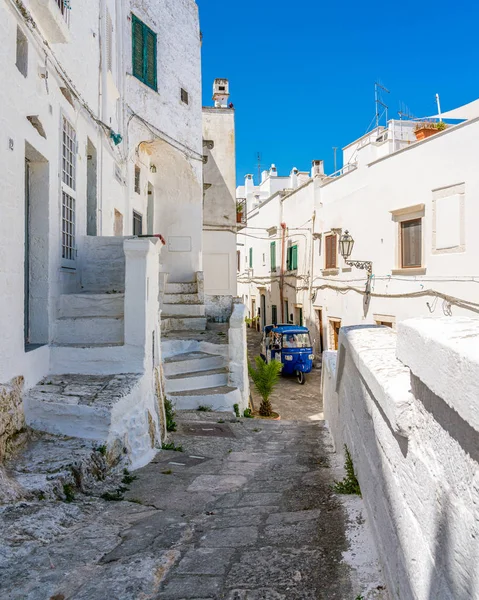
102 140
403 201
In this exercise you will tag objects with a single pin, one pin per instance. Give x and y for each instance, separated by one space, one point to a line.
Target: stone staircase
183 309
196 357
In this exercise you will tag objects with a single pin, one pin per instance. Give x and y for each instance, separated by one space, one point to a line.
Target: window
238 259
137 180
137 223
331 260
68 195
292 258
273 255
184 96
411 243
251 258
144 53
286 311
221 88
22 52
274 314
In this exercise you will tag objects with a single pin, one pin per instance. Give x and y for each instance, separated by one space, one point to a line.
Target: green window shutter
294 257
251 258
138 45
150 59
273 255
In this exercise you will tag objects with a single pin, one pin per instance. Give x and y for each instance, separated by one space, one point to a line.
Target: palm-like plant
265 377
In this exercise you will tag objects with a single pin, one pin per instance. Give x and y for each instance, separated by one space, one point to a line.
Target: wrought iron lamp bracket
361 264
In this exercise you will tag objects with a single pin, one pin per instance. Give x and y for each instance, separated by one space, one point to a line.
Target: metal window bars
65 8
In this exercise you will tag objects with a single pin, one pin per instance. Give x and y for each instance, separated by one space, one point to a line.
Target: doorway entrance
91 191
263 312
35 297
335 326
150 210
319 324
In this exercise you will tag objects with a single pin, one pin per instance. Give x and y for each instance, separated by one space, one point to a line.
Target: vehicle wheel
300 377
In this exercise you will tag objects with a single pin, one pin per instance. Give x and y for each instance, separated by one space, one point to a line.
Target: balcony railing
64 6
241 218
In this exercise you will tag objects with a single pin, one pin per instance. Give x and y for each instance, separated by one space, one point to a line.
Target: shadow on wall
219 204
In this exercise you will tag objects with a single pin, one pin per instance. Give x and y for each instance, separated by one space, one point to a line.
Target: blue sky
302 73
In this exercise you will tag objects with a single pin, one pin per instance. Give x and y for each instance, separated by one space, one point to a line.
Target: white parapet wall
238 358
410 425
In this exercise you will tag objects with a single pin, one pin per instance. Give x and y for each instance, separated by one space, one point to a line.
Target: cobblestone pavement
244 512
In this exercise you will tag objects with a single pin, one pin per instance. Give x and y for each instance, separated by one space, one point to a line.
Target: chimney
264 176
318 169
221 93
303 177
248 185
293 179
273 172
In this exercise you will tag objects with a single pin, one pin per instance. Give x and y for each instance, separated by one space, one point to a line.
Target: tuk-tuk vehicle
291 345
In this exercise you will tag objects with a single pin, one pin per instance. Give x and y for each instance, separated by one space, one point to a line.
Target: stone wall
414 440
12 418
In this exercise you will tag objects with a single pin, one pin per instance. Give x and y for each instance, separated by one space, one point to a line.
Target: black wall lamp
346 245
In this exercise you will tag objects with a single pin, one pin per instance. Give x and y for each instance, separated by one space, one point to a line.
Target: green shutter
144 55
138 45
273 255
150 58
294 257
251 258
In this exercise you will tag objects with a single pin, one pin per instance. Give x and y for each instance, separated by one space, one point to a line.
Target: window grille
184 96
137 223
68 154
68 227
65 7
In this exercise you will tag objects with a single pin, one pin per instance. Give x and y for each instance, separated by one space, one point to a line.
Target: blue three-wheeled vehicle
291 345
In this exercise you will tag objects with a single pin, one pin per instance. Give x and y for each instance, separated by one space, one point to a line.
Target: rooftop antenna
258 158
378 87
335 149
405 112
439 107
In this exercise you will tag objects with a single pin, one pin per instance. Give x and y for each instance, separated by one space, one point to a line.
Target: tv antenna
378 89
405 113
258 158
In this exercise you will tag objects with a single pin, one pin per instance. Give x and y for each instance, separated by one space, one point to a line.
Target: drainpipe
311 276
281 276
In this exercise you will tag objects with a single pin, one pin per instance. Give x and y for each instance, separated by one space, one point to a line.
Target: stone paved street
245 512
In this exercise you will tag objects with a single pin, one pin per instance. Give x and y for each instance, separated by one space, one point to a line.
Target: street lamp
346 245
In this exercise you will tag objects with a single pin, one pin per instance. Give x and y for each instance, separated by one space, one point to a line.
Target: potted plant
428 128
239 212
265 377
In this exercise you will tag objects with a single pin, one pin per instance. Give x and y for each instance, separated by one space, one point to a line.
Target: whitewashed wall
414 444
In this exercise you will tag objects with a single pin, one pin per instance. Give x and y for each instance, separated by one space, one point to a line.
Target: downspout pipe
281 276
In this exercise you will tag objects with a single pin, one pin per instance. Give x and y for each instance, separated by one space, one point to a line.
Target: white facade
219 207
388 179
405 405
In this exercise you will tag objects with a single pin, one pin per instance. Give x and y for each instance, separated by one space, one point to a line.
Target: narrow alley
244 511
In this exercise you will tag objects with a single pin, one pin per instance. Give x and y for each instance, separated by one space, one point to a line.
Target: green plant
248 413
170 416
220 421
116 496
69 492
101 449
236 409
128 477
350 484
167 472
359 597
171 446
441 126
256 430
204 408
265 377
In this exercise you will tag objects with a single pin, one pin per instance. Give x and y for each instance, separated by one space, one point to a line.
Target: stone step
181 299
91 305
88 330
197 380
188 310
182 288
183 323
95 359
192 362
217 398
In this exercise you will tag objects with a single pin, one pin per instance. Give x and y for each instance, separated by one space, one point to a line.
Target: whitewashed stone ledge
444 354
373 351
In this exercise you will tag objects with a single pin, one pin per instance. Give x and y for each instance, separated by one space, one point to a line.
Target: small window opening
137 223
22 52
222 88
184 96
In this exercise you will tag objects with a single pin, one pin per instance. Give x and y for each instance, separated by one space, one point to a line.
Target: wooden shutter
331 252
150 58
294 257
411 243
138 45
273 255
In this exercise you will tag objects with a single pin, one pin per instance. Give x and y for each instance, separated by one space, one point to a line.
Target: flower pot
425 132
239 217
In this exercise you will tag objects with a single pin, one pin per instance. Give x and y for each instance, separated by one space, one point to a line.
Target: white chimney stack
221 93
293 179
318 169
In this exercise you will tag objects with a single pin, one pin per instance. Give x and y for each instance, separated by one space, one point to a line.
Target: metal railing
65 8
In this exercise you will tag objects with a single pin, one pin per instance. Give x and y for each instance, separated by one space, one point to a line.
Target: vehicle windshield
296 340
